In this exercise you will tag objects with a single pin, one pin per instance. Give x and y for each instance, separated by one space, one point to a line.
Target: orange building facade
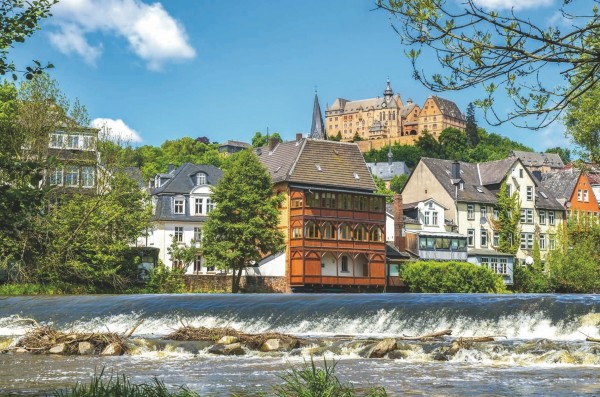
583 202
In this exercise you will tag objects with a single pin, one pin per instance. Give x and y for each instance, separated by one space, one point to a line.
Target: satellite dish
483 220
421 206
529 260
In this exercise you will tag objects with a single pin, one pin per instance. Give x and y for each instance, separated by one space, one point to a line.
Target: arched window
360 233
311 230
376 234
344 232
329 231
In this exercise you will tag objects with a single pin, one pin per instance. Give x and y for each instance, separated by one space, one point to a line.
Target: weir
533 332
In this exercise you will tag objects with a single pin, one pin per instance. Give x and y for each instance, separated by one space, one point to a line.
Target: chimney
170 168
455 170
272 144
298 136
399 239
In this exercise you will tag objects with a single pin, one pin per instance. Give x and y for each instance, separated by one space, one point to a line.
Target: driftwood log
428 337
590 339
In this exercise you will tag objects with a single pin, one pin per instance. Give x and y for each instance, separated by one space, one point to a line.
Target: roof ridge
298 157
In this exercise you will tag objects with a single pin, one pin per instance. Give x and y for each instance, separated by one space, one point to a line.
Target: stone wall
222 283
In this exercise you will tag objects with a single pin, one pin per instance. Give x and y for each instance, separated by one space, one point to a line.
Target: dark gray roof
561 183
389 209
386 170
164 211
317 128
533 159
318 162
392 252
182 179
135 174
448 108
481 181
236 144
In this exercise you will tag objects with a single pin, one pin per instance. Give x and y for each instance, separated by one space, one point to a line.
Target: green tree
336 138
471 130
509 214
583 123
454 144
502 50
182 254
429 146
20 19
357 137
564 153
383 189
397 183
260 140
242 229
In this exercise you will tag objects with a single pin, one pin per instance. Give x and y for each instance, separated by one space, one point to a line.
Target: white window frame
201 178
496 238
70 172
88 176
470 211
197 234
470 237
426 218
542 217
542 241
178 234
434 218
56 177
483 238
198 205
178 205
586 198
527 241
526 215
579 195
209 206
529 193
551 218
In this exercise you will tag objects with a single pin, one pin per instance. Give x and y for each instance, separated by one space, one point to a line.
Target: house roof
135 174
593 178
181 180
317 129
533 159
561 183
318 162
407 109
386 171
236 144
481 180
392 252
447 107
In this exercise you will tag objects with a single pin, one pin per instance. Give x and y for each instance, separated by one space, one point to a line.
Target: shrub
527 279
165 280
438 277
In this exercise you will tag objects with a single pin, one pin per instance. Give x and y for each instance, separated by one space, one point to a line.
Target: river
540 349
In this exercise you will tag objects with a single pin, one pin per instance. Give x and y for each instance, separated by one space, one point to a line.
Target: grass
121 386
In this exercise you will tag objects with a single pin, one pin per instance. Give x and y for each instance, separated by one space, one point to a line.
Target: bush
164 280
439 277
527 279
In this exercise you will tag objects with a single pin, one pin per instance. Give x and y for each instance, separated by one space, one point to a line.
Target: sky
160 70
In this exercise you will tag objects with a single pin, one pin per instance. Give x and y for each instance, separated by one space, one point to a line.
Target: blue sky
226 69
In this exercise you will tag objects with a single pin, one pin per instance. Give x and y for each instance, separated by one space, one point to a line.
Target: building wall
583 199
432 120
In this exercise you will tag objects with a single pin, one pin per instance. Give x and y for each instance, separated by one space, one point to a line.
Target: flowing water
540 349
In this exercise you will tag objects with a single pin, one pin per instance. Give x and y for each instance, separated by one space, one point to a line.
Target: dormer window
200 178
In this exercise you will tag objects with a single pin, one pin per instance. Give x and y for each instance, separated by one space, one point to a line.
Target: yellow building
381 120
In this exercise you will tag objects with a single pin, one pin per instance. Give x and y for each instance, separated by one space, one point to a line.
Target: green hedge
461 277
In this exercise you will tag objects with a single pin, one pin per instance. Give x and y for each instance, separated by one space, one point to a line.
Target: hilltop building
538 163
383 120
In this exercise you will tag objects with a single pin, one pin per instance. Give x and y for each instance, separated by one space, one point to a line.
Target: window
520 172
178 205
328 231
497 265
345 264
483 211
297 203
297 232
327 200
312 199
551 219
376 204
579 195
200 178
87 177
508 190
89 142
72 176
585 196
542 241
470 237
56 177
526 215
426 218
311 230
496 214
470 211
209 205
542 217
197 234
434 218
527 241
198 202
345 202
344 232
360 233
72 141
551 242
376 234
496 238
484 238
360 203
179 234
57 141
197 264
529 193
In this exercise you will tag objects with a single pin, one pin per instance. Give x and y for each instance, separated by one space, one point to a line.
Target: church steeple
317 129
388 93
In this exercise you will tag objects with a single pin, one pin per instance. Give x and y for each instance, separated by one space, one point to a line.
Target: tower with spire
317 129
388 93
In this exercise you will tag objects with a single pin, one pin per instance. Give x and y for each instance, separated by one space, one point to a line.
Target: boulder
227 340
232 349
61 348
277 344
85 348
383 348
113 349
21 350
399 354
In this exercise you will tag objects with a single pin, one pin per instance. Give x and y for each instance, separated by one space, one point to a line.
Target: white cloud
553 136
510 4
152 34
116 130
